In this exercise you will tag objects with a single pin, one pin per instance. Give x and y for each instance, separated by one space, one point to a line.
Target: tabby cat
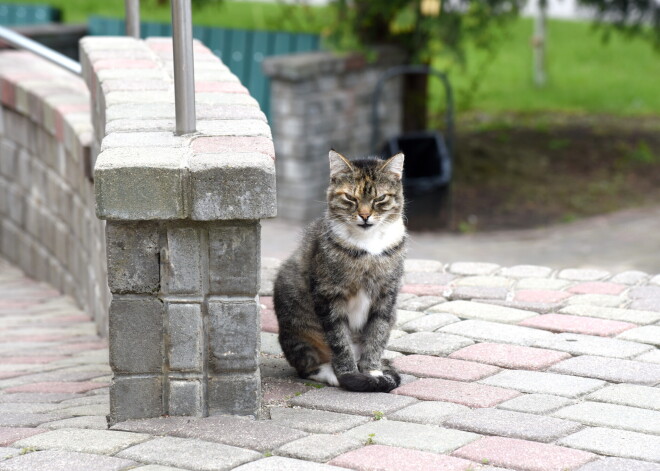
335 296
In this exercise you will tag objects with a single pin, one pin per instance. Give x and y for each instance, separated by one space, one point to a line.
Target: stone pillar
182 231
320 101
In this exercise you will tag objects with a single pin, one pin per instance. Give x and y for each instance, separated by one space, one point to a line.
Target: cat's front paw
325 374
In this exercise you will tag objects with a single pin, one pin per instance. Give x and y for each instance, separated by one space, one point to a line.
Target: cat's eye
348 198
381 199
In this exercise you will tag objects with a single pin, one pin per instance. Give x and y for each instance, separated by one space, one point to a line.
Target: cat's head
367 192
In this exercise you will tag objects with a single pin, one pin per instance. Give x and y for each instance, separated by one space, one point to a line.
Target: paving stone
27 420
652 356
578 344
6 453
427 412
598 287
647 304
9 435
612 415
619 464
489 312
315 421
542 283
613 442
468 394
424 290
270 343
403 316
58 386
603 300
436 367
320 448
484 281
408 435
629 395
338 400
535 403
388 458
473 268
583 274
422 265
510 356
612 313
471 293
655 280
429 322
97 422
53 460
523 454
83 441
276 463
189 453
630 277
610 369
495 332
540 308
540 296
427 278
38 397
429 343
512 424
648 334
527 271
420 303
577 324
157 467
543 383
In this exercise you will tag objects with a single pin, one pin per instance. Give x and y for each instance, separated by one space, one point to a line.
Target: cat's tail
364 382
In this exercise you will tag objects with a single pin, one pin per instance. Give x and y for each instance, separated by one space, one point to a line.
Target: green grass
585 75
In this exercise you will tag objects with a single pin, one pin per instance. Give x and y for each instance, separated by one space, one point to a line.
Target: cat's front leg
329 314
375 336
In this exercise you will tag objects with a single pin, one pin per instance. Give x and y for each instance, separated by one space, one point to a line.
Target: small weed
485 461
315 385
370 439
27 449
268 453
298 394
378 415
642 154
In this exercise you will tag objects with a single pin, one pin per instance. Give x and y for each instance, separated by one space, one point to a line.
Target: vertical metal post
184 73
132 8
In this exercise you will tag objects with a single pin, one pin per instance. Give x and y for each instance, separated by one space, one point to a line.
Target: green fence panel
13 14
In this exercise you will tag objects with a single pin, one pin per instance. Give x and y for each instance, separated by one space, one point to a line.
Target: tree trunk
538 44
415 102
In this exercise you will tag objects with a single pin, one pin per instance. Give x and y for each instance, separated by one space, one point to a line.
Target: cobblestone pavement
523 368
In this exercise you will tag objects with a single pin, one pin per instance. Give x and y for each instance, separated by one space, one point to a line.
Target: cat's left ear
338 163
394 164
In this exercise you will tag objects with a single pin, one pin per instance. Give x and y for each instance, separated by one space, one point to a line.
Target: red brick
510 356
540 296
9 435
424 290
524 455
58 387
468 394
437 367
577 324
389 458
598 287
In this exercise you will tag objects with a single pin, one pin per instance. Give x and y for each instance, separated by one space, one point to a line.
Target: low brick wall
47 221
183 230
321 101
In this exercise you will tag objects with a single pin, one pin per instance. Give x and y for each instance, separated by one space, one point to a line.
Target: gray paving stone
408 435
27 408
429 322
651 357
189 454
603 300
270 343
420 303
535 403
512 424
95 421
630 277
542 283
338 400
473 268
612 313
543 383
427 278
53 460
632 395
422 265
319 448
610 369
474 293
578 344
490 281
619 464
655 280
647 334
526 271
403 316
39 397
487 312
6 453
26 420
84 441
646 304
612 415
315 421
281 463
427 412
613 442
496 332
429 343
583 274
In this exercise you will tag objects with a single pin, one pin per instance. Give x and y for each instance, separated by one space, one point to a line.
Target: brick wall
47 221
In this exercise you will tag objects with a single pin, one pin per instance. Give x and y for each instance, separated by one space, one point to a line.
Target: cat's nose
364 216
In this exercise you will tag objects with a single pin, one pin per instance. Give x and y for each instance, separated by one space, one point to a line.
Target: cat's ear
338 163
394 164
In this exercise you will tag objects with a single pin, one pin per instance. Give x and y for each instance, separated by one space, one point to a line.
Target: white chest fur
375 240
358 310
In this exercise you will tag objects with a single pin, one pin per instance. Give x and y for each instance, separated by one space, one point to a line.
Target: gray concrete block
133 257
610 369
535 403
238 393
183 274
136 335
429 343
613 415
186 337
612 442
186 398
233 336
428 412
338 400
319 448
315 421
135 398
234 261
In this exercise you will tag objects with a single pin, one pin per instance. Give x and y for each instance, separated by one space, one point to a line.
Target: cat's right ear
338 163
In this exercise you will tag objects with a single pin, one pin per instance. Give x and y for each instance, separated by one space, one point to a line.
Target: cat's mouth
365 226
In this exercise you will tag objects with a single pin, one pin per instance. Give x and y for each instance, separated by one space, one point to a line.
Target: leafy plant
378 415
370 439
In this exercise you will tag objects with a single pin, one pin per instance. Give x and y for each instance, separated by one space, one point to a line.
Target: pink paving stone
267 301
540 296
9 435
524 455
598 287
424 290
216 86
11 374
510 356
468 394
58 387
79 347
219 144
269 321
281 391
437 367
390 458
577 324
30 360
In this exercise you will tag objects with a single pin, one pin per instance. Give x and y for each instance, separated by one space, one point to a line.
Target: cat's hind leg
308 353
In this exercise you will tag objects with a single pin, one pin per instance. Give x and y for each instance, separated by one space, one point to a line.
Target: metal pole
184 73
132 8
21 42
